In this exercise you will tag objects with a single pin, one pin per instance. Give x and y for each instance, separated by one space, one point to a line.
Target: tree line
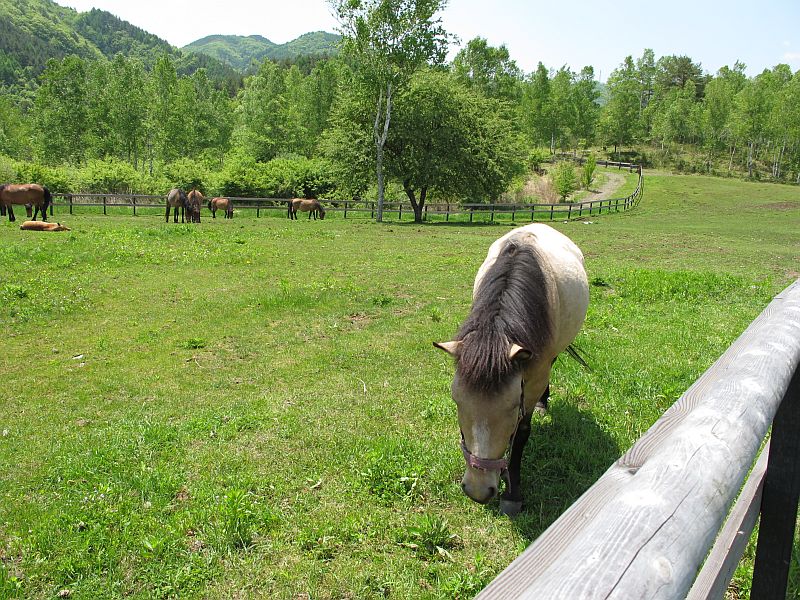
464 130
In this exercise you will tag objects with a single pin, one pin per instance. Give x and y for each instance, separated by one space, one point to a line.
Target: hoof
510 507
540 409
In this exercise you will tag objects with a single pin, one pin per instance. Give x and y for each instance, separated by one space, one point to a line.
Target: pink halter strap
484 464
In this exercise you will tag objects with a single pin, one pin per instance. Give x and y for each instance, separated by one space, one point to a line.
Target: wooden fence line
644 529
551 212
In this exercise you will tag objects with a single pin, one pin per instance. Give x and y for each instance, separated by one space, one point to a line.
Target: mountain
240 51
34 31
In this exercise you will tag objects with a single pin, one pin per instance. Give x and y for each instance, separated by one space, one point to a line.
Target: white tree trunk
380 134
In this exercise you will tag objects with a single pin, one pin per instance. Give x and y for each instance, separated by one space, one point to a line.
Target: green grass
253 407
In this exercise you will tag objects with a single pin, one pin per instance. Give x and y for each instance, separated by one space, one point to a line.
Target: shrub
186 173
56 179
564 180
587 173
101 176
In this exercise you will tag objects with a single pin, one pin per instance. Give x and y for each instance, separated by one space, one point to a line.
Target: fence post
569 212
492 213
70 204
133 198
447 215
399 211
551 211
372 210
104 205
779 499
471 213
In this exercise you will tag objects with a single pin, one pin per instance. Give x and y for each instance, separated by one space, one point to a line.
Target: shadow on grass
566 453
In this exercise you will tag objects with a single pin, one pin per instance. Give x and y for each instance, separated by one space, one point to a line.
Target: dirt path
613 182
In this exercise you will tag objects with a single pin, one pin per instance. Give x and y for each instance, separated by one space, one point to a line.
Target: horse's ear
517 352
450 347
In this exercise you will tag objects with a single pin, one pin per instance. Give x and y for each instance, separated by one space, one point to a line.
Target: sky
575 33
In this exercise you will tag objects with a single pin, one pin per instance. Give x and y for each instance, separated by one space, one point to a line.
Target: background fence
649 524
465 211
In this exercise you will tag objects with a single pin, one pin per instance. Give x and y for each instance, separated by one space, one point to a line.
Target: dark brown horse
25 194
176 199
223 204
194 202
312 207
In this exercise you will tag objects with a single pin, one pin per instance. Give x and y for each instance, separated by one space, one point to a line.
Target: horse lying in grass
194 202
176 199
223 204
25 194
43 226
529 301
312 207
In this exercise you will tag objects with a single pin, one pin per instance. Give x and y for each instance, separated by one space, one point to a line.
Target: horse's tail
48 198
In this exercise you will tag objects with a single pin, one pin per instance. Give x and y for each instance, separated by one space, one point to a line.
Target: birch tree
388 41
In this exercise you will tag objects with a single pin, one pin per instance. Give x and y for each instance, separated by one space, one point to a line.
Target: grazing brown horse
194 201
528 304
25 194
176 199
312 207
43 226
223 204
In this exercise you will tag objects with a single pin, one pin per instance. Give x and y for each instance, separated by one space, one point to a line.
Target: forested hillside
34 31
241 52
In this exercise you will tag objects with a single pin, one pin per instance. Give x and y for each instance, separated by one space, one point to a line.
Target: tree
60 111
537 107
584 107
446 139
261 122
388 40
488 69
619 118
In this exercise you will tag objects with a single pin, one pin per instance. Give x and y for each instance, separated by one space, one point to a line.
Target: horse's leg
511 500
541 404
11 216
36 212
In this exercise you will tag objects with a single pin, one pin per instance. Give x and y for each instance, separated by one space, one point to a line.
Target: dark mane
510 307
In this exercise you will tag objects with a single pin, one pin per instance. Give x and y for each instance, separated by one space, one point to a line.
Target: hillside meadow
253 408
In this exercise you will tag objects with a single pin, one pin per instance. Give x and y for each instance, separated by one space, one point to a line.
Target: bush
187 174
56 179
284 177
101 176
564 179
8 170
587 174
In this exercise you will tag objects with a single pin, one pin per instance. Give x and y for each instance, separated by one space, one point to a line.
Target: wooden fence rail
541 212
645 528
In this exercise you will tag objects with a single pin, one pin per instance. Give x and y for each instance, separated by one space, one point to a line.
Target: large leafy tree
60 111
387 42
446 139
488 69
618 122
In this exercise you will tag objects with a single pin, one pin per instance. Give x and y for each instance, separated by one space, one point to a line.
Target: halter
496 464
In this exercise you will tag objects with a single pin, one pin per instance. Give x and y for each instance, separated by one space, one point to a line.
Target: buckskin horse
43 226
25 194
176 199
312 207
529 301
223 204
194 202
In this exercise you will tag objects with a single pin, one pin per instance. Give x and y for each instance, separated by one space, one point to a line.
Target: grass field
253 408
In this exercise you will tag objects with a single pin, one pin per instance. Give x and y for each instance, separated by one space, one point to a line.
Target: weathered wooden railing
533 212
650 527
